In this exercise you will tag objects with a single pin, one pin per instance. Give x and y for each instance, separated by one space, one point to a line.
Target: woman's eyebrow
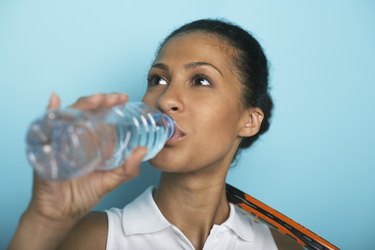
187 66
160 66
197 64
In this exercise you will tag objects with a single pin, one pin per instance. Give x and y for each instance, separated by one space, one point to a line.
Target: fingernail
52 97
143 152
123 96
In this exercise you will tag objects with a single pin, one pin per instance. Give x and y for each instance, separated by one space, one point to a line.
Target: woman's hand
59 205
71 199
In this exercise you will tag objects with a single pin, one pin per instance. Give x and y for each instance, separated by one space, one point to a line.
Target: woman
212 78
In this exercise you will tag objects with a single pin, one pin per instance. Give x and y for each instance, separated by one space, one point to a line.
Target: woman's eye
201 81
156 80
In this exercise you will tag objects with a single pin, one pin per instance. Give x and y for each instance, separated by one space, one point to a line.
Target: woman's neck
193 203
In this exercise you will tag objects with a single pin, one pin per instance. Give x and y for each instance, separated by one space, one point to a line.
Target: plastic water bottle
67 143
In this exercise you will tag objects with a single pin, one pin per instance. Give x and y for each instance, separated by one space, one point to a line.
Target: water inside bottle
70 143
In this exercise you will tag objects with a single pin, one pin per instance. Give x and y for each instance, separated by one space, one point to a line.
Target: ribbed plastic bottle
64 144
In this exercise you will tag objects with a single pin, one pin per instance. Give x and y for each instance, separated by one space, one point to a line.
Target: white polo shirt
141 225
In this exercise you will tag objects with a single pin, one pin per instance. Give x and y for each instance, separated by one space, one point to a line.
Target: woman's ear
251 122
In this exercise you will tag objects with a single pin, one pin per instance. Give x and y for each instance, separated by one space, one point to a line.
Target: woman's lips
177 136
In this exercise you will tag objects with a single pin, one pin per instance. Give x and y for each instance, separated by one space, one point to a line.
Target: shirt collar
143 216
152 220
240 223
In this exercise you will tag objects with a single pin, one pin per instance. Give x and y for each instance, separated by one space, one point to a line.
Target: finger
88 102
131 166
114 99
54 101
100 101
128 170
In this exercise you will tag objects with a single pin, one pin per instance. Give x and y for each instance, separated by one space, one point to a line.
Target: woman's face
192 80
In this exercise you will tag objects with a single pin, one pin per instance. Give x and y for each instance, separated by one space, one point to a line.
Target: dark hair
249 60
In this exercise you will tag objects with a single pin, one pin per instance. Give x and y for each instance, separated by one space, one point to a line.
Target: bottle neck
171 124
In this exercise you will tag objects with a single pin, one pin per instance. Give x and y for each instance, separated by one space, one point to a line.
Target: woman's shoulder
89 233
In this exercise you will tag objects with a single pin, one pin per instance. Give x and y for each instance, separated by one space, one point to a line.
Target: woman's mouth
177 136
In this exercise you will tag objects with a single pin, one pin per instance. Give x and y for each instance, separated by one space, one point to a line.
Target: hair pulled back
250 64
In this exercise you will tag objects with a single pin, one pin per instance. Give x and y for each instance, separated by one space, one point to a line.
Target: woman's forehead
196 46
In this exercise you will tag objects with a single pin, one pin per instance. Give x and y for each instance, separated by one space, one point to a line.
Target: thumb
129 170
54 101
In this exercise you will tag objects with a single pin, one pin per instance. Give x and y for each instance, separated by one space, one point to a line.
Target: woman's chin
168 166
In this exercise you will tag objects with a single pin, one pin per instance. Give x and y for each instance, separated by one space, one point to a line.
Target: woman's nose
170 101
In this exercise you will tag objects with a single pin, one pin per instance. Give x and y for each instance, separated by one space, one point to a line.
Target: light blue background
316 164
